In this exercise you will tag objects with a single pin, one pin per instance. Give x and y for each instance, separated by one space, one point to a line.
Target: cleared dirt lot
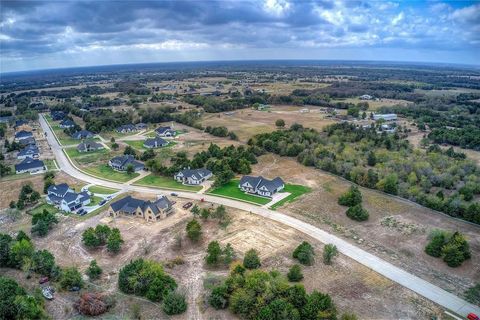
397 230
247 122
346 280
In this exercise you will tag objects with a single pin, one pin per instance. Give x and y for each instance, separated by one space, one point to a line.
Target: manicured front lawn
73 152
137 144
295 191
231 190
50 164
164 182
94 200
101 190
105 172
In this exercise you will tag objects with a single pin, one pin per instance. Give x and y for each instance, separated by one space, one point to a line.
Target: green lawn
50 164
105 172
43 206
231 190
295 191
165 182
101 209
94 200
73 152
101 190
138 144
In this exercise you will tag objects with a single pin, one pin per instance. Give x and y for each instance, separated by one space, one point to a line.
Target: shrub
114 241
473 294
357 213
329 252
71 277
174 303
219 297
453 249
304 253
351 198
438 238
94 271
213 253
280 123
93 304
16 304
251 259
295 273
194 230
42 222
43 262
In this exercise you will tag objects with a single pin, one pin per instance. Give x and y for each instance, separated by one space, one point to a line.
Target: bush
329 252
194 230
114 241
438 238
71 277
351 198
147 279
93 304
251 259
453 249
219 297
43 262
213 253
295 273
94 271
472 294
304 253
357 213
16 304
42 222
174 303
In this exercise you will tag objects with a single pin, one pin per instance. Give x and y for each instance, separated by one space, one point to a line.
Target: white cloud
276 7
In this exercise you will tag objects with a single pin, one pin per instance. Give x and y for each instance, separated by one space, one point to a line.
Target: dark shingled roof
257 182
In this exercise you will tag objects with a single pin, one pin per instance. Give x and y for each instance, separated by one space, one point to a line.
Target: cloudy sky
41 35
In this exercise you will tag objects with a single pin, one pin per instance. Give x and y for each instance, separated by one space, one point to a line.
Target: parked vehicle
43 280
187 205
173 194
74 289
81 212
102 202
47 293
472 316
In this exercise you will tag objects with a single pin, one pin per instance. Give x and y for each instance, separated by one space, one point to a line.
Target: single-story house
30 151
66 124
156 142
193 176
366 97
261 186
57 115
127 128
62 196
141 126
121 163
20 135
87 146
165 132
386 117
82 134
148 210
30 165
19 123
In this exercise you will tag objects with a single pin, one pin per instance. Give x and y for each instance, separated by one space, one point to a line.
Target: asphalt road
398 275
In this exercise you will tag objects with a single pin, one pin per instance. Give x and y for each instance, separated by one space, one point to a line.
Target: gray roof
27 141
130 204
67 123
82 134
127 127
162 130
20 122
29 163
198 173
84 146
30 149
257 182
23 134
154 142
125 160
61 188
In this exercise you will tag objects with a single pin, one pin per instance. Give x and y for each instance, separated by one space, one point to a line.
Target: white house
66 199
193 176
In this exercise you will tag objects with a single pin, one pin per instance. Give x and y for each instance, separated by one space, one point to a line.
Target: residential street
408 280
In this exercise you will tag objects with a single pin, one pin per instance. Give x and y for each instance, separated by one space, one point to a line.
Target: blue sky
54 34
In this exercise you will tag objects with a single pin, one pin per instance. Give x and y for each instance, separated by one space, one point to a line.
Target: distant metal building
386 117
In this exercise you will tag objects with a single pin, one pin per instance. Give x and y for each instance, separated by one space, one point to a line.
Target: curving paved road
402 277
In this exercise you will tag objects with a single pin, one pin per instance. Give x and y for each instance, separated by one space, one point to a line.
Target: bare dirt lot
346 280
396 230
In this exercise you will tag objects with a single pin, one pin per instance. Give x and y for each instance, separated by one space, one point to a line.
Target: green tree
114 241
115 146
20 251
372 159
329 252
21 235
43 262
70 277
228 254
304 253
194 230
130 169
89 238
205 213
219 297
357 213
94 271
472 294
16 304
438 238
351 198
318 304
295 273
280 123
214 253
174 303
251 259
195 211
